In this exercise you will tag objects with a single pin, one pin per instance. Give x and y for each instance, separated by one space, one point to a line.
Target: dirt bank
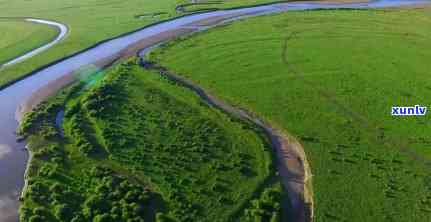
292 163
45 81
53 87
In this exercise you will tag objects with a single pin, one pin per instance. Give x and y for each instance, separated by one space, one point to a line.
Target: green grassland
138 147
91 21
330 77
20 37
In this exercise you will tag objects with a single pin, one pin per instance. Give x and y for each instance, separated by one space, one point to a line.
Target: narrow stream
62 33
13 156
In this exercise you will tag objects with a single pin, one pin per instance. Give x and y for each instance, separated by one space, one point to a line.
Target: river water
13 156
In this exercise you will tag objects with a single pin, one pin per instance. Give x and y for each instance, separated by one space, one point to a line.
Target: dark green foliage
161 217
25 213
108 198
130 131
169 141
266 208
37 218
84 142
62 212
102 218
43 116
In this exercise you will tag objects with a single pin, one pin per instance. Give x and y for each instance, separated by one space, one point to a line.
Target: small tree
275 217
37 218
102 218
25 213
62 211
161 217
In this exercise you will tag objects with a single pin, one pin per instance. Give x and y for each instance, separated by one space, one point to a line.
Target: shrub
62 211
25 213
161 217
37 218
102 218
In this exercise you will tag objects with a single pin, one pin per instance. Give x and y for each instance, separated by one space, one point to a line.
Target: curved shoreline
105 53
63 30
292 164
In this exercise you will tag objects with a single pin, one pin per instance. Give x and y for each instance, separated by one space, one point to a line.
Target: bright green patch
91 21
146 148
330 78
19 37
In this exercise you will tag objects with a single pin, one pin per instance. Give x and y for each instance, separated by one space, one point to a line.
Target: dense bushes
116 199
79 128
43 117
108 198
266 208
178 146
107 97
205 165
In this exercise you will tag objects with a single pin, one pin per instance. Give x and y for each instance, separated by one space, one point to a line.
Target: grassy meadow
134 146
90 21
20 37
330 78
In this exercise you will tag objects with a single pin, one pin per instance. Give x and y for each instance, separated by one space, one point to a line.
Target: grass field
136 146
20 37
90 21
330 78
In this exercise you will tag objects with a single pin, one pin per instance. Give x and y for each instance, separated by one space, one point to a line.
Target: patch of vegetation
199 6
330 78
138 147
21 36
266 208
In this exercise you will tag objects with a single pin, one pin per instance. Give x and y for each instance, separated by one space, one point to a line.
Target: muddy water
13 157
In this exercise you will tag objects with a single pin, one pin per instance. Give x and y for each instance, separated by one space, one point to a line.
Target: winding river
62 33
21 96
